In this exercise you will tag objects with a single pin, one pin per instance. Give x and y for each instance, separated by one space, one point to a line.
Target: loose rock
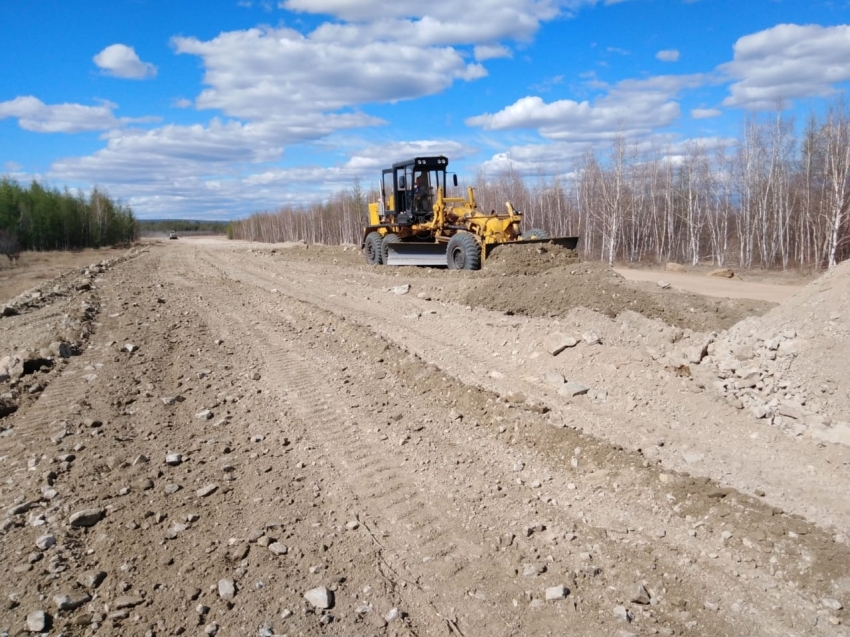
320 597
38 621
88 517
226 589
556 592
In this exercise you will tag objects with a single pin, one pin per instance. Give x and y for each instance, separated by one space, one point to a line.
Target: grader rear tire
535 233
463 253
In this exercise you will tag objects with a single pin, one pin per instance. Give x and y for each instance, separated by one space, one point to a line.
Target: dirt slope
414 450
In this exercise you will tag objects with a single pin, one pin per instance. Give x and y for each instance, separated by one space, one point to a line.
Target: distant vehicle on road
172 234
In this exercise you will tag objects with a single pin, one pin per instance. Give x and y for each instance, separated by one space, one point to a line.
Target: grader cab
416 223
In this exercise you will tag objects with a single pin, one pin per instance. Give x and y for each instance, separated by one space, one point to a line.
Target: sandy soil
699 282
34 268
405 442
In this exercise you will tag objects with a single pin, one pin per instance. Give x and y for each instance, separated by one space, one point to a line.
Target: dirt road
283 441
698 282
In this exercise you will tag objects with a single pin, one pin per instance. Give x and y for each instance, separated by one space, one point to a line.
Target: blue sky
218 108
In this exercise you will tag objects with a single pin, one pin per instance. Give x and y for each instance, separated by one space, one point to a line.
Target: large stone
573 388
207 490
278 549
91 579
320 597
38 621
67 602
591 338
173 459
88 517
554 593
226 589
127 601
639 595
791 409
556 343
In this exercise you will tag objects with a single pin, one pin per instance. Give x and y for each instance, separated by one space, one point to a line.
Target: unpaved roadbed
284 441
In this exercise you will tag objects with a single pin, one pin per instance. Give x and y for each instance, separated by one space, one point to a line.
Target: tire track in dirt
325 412
433 337
378 491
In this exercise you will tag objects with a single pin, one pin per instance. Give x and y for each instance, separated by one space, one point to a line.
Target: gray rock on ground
207 490
86 518
556 343
320 597
127 601
573 388
278 549
173 459
91 579
66 602
226 589
639 595
554 593
37 621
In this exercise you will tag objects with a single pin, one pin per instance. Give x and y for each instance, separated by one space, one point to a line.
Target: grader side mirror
454 179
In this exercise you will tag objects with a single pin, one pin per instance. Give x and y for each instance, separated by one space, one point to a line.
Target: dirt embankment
549 281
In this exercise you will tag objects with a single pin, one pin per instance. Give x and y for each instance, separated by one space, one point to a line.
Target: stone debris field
221 438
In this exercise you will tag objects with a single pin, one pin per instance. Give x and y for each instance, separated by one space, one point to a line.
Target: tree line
41 218
186 226
774 198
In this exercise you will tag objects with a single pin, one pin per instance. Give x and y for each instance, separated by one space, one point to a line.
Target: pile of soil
554 291
812 328
529 259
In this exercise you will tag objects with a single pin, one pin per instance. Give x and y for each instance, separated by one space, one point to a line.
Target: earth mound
528 259
797 353
552 289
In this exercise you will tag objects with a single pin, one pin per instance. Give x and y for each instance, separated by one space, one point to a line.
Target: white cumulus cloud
705 113
491 51
787 61
34 115
120 60
260 73
632 107
668 55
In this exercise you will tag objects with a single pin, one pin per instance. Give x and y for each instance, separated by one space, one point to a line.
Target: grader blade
570 243
407 253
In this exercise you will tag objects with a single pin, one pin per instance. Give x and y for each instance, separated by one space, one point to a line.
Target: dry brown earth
406 439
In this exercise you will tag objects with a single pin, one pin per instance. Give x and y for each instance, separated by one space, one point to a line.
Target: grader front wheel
388 238
372 249
464 252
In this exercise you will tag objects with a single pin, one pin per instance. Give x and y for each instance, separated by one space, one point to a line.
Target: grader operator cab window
409 189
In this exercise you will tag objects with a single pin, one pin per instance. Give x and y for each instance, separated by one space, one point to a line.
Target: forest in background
40 218
775 198
183 226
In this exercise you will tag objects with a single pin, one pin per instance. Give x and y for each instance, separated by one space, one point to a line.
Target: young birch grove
770 200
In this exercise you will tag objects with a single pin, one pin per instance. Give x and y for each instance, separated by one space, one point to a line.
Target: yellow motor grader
415 223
